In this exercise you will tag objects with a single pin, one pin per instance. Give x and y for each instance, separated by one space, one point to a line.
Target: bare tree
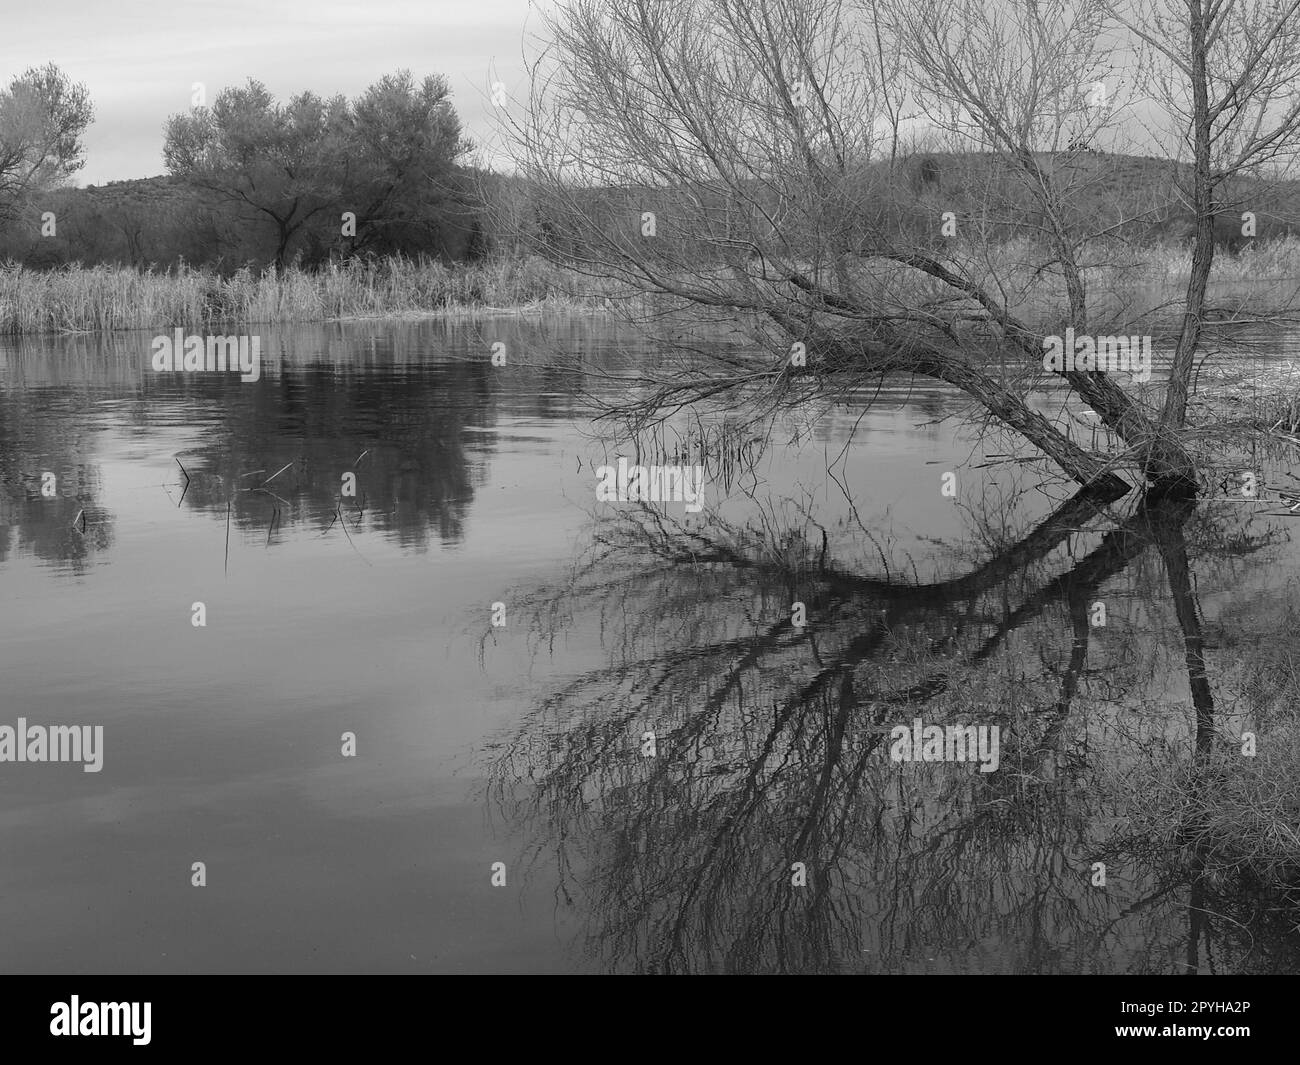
737 160
1226 77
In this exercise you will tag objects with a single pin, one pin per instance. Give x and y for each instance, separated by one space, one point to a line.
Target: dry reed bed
105 298
1124 282
1131 288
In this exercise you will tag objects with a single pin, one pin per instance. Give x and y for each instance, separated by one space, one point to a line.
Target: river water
354 752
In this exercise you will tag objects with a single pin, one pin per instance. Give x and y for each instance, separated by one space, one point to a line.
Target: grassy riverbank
104 298
1131 286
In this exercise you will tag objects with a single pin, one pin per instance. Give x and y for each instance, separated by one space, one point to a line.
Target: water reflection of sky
222 743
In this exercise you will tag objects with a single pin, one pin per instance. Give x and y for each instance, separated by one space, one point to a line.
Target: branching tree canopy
387 157
283 162
739 161
405 143
42 118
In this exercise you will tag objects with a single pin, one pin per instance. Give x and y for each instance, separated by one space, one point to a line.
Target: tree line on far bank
252 180
255 181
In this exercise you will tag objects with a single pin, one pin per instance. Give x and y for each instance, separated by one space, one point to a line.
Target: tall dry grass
1134 288
103 298
1129 284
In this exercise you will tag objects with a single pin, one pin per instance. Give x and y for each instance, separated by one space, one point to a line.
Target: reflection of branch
186 475
772 749
812 760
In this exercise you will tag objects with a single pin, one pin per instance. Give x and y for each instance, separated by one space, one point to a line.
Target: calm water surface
521 744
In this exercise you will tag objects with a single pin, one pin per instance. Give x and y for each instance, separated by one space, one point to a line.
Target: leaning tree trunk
844 351
1158 451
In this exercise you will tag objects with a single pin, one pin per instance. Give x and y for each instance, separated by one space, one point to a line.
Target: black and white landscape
650 486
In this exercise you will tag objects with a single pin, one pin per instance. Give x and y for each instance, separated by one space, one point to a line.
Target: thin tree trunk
1165 468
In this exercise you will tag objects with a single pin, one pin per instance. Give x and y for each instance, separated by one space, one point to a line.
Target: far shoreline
76 299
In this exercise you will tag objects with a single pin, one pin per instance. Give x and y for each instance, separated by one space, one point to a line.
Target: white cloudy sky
139 58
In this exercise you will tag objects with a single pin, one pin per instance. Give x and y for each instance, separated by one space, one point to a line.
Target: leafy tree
405 142
42 118
283 163
388 158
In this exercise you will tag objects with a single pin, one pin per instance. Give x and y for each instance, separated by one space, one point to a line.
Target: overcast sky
139 58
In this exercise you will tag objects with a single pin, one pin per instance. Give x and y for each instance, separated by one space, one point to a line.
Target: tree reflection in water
772 747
